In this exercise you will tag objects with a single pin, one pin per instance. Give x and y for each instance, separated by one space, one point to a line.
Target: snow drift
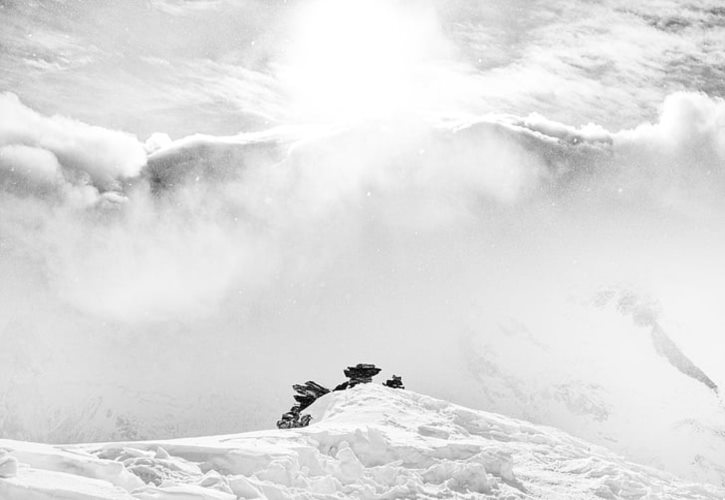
366 442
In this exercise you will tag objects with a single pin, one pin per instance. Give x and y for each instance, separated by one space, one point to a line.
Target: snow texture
366 442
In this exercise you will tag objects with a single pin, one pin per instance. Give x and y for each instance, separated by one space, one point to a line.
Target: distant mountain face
625 388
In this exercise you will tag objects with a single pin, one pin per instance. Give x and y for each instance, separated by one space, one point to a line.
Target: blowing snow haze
517 205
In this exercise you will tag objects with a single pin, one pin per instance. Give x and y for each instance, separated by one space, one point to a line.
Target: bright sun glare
358 59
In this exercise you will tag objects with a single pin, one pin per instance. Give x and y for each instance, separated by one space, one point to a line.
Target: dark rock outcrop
361 373
293 419
310 391
307 394
395 382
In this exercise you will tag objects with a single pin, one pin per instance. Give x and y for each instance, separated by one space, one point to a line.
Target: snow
75 462
8 465
42 484
366 442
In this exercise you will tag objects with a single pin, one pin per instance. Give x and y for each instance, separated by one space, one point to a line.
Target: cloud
677 161
606 62
80 153
503 158
29 164
689 123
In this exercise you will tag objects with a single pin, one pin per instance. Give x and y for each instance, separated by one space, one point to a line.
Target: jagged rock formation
293 419
362 373
395 382
310 391
307 393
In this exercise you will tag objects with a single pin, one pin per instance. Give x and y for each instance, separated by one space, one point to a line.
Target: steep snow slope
368 442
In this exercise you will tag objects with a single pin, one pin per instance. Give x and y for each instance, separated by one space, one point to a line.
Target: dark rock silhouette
289 419
362 373
310 391
307 394
395 382
292 419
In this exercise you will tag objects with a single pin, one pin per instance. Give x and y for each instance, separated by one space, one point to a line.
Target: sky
204 202
216 67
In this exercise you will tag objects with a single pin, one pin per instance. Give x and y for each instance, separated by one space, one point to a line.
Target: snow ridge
366 442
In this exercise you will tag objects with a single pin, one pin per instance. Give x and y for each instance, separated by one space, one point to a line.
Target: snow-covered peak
366 442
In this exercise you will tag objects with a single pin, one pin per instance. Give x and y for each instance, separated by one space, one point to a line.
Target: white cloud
607 62
37 165
689 124
83 151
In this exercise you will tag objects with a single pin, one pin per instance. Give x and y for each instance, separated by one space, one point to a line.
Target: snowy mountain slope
616 371
367 442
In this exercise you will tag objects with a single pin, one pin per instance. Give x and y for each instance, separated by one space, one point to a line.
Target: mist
175 287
